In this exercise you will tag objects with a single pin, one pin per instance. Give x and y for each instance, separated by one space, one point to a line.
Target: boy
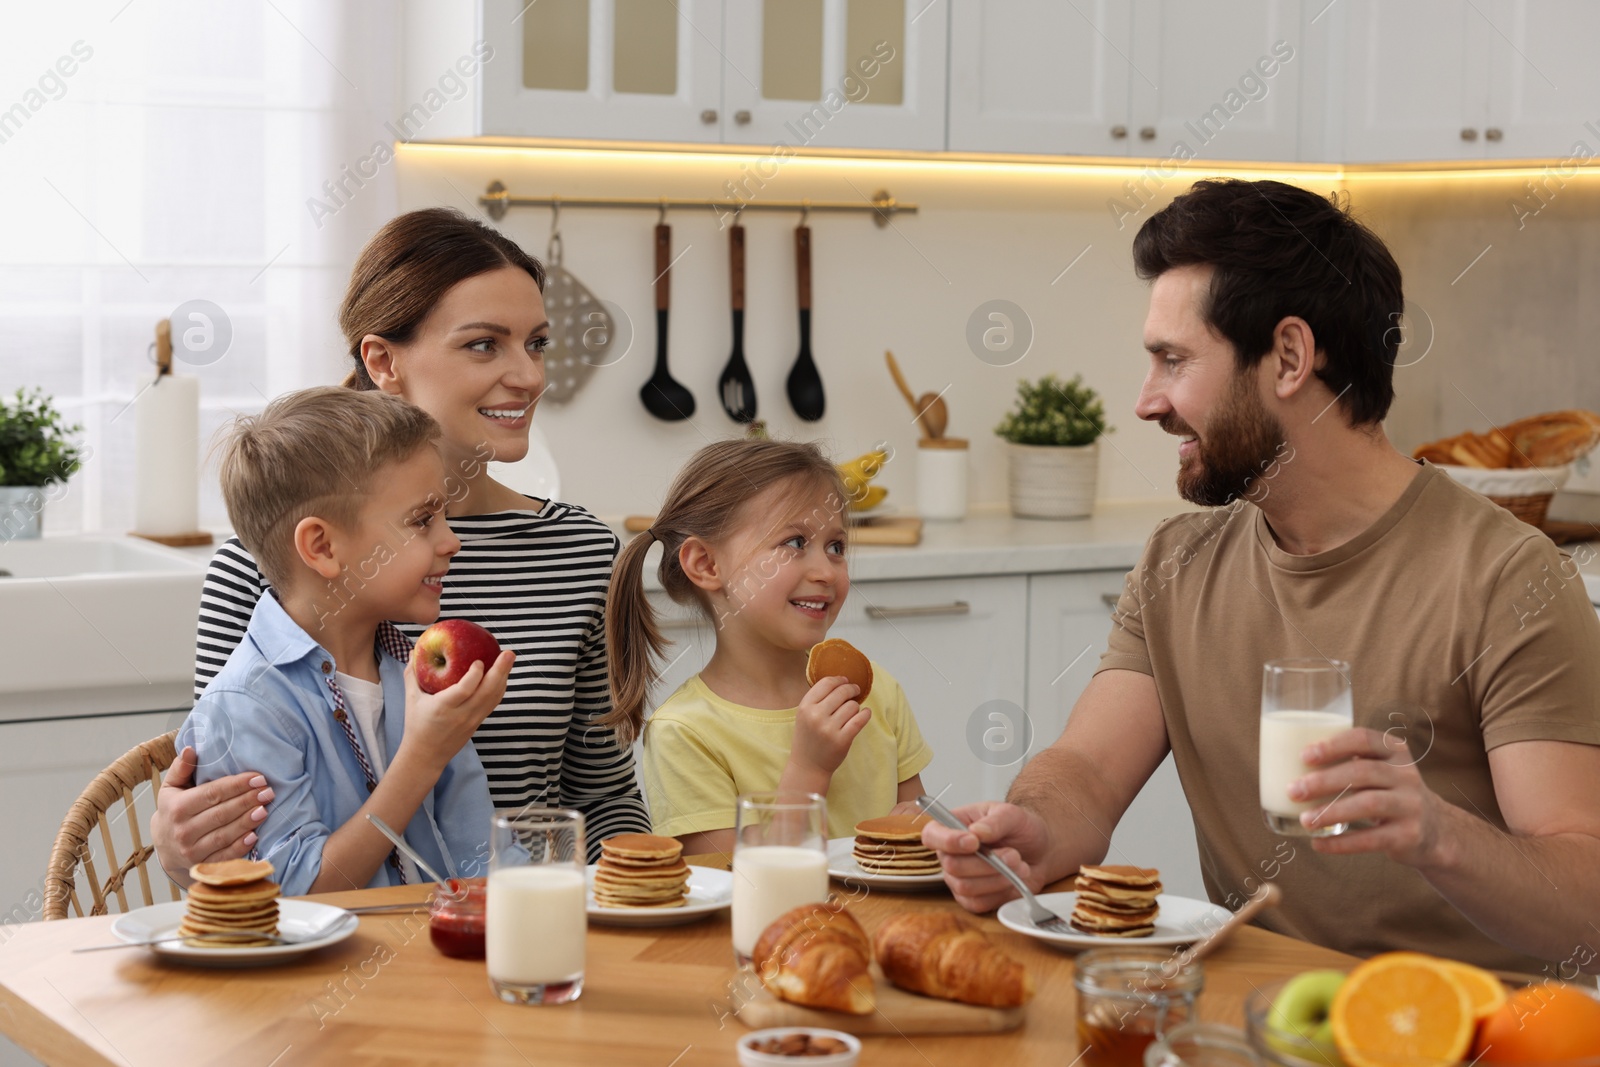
339 495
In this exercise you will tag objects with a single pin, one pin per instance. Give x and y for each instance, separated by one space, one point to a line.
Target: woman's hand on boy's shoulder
827 724
439 724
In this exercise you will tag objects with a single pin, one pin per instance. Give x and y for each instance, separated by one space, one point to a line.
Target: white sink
96 624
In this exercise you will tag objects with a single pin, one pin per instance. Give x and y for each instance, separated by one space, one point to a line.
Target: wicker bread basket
1524 493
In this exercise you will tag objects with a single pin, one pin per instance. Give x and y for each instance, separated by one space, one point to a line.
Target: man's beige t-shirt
1465 628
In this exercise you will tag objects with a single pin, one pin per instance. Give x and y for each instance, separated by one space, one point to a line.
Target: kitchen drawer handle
1118 132
1111 600
1493 133
742 117
1147 133
957 607
708 116
1469 134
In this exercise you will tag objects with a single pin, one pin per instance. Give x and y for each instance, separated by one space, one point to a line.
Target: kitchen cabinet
44 766
1441 80
1126 78
833 73
1069 622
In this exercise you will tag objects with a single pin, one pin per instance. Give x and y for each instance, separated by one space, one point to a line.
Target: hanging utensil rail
497 200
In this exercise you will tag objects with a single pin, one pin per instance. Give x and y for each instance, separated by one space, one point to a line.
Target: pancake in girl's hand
835 658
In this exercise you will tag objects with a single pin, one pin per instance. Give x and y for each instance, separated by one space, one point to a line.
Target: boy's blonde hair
312 453
707 500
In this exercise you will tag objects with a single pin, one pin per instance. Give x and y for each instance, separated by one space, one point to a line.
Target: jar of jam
1129 997
455 918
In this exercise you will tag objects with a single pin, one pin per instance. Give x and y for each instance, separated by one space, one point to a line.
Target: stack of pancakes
233 902
893 845
641 871
1116 901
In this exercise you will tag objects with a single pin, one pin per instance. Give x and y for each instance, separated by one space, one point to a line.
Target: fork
1041 917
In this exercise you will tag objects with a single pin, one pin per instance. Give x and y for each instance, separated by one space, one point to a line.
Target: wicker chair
141 765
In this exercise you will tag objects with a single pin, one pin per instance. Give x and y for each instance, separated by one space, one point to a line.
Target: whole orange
1542 1023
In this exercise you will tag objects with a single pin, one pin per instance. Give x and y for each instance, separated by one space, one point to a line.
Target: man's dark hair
1277 251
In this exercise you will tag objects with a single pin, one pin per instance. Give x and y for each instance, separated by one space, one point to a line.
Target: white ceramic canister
942 477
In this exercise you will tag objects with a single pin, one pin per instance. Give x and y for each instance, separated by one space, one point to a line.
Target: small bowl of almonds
788 1045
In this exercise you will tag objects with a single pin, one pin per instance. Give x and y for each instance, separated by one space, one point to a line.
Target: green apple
1298 1022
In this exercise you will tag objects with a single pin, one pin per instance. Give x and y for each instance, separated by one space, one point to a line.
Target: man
1473 772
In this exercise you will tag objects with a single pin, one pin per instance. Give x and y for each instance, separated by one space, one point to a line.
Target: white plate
710 890
843 866
1182 921
296 919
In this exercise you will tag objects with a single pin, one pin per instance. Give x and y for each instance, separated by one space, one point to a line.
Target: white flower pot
21 512
1054 481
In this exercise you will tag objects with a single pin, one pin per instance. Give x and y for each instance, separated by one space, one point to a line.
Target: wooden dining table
664 996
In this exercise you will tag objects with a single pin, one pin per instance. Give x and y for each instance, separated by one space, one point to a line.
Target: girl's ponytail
634 642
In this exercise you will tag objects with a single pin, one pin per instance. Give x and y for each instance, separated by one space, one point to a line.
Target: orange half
1486 991
1401 1009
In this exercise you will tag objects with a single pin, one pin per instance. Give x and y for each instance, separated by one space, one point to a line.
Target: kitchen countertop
996 543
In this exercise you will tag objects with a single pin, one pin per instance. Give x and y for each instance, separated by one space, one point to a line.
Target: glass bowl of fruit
1405 1009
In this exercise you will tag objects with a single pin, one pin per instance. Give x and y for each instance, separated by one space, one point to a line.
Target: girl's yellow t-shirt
701 752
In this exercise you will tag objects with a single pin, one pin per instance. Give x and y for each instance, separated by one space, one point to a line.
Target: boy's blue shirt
271 710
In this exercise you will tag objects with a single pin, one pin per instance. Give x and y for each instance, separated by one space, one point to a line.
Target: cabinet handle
958 607
1147 133
1118 132
1111 600
1469 134
709 116
1493 133
742 117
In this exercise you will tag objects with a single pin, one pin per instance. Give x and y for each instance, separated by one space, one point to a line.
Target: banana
870 498
861 470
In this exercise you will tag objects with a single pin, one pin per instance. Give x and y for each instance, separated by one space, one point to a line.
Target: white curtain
155 152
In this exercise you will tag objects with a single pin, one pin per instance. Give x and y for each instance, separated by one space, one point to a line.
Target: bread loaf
1551 440
939 955
818 956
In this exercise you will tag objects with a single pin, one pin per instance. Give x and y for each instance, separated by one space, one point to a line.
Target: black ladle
805 384
663 395
737 389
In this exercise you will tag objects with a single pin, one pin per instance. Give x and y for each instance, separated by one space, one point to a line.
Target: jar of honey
455 918
1127 998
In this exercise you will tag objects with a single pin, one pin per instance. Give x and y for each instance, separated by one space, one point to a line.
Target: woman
449 314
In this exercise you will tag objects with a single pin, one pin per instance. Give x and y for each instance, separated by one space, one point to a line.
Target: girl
753 534
449 314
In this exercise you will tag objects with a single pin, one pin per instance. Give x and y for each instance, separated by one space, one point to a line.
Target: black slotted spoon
735 386
805 384
663 395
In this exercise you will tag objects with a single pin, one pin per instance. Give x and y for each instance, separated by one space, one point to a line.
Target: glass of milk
780 861
1303 701
535 917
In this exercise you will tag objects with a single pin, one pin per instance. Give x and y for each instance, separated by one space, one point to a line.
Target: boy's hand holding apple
456 677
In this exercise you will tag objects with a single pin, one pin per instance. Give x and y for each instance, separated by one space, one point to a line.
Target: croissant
1550 440
818 956
940 955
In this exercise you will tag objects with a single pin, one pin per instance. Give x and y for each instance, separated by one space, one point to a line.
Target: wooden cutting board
888 530
898 1012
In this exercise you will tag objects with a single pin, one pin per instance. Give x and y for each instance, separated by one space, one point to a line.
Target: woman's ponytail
634 642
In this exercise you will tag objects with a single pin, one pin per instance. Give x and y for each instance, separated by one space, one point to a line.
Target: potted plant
35 452
1054 433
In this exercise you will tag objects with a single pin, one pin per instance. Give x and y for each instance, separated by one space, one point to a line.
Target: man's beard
1241 442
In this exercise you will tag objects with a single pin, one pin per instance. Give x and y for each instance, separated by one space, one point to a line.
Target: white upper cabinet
1154 78
1040 78
1544 82
640 70
824 73
1219 80
1414 80
835 73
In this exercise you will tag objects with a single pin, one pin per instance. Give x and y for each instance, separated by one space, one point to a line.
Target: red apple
448 649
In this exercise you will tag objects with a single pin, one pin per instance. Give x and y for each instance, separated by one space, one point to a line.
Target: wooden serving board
898 1012
888 530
